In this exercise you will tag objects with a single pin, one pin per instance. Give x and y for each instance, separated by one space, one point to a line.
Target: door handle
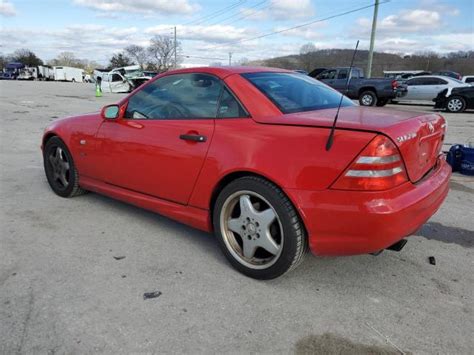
193 137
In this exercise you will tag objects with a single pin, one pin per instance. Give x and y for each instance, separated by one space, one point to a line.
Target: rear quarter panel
293 157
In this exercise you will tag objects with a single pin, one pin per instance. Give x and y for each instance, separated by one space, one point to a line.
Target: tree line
310 58
157 56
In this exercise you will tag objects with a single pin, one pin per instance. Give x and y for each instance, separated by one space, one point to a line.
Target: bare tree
161 51
138 54
307 56
67 59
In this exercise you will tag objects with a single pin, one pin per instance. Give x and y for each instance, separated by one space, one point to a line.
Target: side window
116 77
342 74
178 96
229 107
416 81
439 81
328 74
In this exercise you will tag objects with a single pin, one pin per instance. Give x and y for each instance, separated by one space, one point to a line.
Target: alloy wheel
60 167
455 105
252 229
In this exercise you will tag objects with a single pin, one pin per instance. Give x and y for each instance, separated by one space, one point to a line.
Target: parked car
451 74
242 152
456 99
369 92
426 88
468 79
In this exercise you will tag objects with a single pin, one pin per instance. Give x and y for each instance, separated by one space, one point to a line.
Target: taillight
394 84
378 167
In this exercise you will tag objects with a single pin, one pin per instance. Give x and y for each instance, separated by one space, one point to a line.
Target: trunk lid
419 136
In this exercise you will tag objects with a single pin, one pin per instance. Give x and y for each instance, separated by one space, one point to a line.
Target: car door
118 83
431 88
414 89
340 82
160 145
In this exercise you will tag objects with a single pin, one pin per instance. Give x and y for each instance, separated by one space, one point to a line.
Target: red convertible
241 151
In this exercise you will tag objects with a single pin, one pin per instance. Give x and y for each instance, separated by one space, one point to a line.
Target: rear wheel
258 228
368 98
381 102
60 170
456 104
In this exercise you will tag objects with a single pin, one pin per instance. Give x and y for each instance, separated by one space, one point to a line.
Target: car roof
223 72
431 76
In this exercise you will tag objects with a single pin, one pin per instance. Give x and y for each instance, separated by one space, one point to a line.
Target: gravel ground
63 291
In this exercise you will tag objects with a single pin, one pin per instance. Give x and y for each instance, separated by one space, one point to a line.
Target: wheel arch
367 88
47 137
232 176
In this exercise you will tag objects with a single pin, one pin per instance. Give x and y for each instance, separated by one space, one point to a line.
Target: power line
215 14
298 26
238 13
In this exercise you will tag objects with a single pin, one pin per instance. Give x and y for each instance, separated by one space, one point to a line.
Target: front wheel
368 98
258 228
60 170
456 104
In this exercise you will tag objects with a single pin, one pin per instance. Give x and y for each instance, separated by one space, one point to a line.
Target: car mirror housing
110 112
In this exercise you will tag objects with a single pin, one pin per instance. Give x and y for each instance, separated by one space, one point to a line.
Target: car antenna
333 128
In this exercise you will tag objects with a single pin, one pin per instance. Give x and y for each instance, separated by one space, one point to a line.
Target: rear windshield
296 92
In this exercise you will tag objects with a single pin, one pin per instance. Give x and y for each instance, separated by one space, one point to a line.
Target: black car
458 100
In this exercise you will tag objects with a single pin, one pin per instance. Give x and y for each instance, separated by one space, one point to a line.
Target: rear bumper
357 222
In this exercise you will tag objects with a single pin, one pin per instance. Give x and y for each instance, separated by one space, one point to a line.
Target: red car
242 152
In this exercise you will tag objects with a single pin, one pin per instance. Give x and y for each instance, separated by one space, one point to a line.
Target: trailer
45 73
74 75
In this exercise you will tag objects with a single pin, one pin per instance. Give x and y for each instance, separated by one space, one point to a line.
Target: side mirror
110 112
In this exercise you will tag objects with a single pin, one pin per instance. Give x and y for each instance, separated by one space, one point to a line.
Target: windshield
296 92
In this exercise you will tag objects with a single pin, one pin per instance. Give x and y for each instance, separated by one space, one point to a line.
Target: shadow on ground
437 231
334 344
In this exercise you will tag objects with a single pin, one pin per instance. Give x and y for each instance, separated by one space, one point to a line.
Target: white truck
68 74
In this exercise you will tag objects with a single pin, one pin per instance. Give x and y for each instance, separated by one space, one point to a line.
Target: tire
60 170
368 98
381 102
273 246
456 104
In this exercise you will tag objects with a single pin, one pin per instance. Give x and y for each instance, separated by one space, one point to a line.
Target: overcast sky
95 29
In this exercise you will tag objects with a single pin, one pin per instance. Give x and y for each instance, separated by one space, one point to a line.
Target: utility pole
230 58
175 49
372 39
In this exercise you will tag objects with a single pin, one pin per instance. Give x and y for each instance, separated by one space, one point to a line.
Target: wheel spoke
52 160
65 165
59 153
246 207
266 218
266 242
62 178
235 225
249 248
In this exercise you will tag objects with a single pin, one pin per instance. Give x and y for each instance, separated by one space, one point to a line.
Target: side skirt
192 216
